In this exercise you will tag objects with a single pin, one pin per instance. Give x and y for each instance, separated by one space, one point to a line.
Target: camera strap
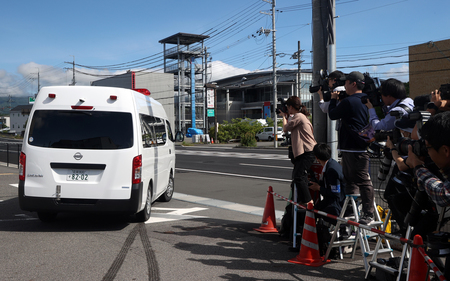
404 106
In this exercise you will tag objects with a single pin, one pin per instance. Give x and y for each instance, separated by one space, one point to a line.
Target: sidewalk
259 144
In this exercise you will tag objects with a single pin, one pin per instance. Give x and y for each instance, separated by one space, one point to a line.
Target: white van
267 133
96 149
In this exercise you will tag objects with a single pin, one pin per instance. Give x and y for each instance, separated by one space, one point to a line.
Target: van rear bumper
43 204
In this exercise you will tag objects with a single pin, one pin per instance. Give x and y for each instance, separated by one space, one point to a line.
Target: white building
5 120
18 118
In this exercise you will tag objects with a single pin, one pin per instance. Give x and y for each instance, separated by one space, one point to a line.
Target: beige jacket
302 136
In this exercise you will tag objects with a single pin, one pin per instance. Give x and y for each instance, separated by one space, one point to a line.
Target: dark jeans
302 164
355 166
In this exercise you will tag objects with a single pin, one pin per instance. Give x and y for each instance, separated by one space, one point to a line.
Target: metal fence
9 153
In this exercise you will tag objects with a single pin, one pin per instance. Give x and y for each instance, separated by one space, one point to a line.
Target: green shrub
238 129
248 139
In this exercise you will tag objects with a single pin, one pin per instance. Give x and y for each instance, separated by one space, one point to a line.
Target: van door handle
170 151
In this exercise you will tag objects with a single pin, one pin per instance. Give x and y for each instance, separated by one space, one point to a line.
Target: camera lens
385 167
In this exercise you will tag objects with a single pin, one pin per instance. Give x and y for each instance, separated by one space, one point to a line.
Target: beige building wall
160 86
429 67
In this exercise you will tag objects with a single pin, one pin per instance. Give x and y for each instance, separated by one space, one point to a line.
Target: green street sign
210 112
31 100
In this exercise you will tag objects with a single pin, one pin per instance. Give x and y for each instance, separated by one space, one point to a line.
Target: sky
110 37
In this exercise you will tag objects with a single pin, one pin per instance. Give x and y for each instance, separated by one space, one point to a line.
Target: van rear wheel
47 216
144 215
167 195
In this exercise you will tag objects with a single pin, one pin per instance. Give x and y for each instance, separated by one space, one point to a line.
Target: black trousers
302 164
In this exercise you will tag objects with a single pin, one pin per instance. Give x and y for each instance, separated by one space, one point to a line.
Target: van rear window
81 129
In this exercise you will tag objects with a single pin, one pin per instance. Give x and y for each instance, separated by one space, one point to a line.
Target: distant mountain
5 105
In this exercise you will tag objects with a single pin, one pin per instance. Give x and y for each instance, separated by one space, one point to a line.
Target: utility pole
73 72
39 83
331 50
274 55
319 20
298 55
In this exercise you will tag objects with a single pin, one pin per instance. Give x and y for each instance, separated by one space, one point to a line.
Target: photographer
296 121
436 133
355 158
334 79
393 94
406 127
440 98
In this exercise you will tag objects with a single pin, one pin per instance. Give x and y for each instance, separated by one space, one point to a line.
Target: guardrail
10 152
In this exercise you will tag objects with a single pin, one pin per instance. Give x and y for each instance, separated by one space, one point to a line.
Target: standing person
393 94
302 138
355 158
333 85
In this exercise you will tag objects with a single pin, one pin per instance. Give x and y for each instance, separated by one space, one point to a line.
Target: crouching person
331 184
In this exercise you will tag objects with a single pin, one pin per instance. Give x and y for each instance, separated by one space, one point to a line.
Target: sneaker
366 219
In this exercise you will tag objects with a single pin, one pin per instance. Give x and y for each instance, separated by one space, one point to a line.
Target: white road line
234 154
247 209
232 175
265 166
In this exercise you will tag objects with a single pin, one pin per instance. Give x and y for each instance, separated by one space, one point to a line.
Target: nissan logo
78 156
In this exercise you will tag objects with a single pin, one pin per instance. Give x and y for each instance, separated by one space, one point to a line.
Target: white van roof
97 98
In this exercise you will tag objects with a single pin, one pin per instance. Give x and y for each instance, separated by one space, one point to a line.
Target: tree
239 129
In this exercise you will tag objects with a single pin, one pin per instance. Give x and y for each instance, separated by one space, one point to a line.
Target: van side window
160 131
169 131
148 134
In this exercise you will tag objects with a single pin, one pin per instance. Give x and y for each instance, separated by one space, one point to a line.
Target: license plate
78 175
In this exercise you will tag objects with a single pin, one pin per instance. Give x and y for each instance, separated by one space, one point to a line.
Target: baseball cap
354 76
405 124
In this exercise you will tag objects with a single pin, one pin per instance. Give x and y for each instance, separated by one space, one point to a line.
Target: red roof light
113 97
52 96
82 107
145 92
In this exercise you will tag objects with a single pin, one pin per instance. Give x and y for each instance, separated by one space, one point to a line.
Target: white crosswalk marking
175 214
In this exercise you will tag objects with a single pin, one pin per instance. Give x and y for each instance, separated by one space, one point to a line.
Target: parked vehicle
96 149
267 133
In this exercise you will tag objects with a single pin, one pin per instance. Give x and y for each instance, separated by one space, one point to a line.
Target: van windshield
81 129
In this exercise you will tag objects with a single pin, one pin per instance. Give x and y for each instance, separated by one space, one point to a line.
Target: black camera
322 84
418 147
327 94
372 90
282 107
445 91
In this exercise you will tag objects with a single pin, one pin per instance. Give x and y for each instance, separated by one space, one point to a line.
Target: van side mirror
179 137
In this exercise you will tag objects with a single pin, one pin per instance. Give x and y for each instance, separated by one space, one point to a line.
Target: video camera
372 90
323 85
418 146
445 91
282 107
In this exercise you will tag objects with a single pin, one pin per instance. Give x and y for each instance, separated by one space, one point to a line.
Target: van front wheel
144 215
167 195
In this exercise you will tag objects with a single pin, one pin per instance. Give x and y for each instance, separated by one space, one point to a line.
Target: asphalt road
207 237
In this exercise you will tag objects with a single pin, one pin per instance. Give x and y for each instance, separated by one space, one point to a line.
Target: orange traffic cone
309 249
212 140
269 223
418 267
